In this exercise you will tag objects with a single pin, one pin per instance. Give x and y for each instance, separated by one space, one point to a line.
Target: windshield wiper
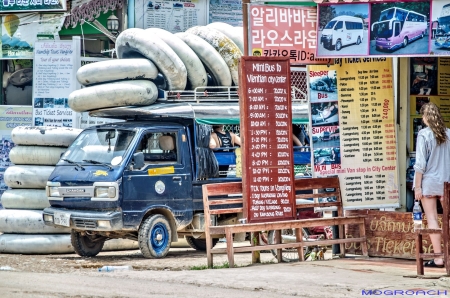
98 163
72 162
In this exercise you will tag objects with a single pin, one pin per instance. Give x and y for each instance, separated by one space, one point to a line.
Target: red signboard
284 31
266 132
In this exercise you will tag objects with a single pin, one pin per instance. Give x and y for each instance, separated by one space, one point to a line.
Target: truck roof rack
202 94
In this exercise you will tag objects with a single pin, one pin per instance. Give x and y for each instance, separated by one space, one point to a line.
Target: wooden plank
217 230
316 195
225 211
331 221
431 255
290 224
429 231
316 205
282 245
225 201
389 234
215 189
316 183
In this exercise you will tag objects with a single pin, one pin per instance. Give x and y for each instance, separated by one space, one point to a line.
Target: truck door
163 182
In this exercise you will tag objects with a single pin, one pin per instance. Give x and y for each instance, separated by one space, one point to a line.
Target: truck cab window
99 145
159 147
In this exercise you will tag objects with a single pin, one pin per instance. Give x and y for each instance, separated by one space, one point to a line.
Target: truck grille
86 224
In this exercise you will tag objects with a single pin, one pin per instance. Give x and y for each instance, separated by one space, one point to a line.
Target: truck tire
155 237
199 244
84 245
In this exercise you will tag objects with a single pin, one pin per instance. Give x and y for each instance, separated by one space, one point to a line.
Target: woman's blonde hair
435 122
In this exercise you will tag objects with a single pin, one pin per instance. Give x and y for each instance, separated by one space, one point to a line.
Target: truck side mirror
138 160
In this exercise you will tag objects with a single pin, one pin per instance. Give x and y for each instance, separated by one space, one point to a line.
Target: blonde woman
432 170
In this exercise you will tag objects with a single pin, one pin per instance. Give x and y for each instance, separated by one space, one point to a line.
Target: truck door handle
176 179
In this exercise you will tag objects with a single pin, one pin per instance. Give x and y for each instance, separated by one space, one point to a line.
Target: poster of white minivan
343 34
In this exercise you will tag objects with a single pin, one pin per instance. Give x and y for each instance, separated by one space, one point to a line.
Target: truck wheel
155 237
199 244
85 245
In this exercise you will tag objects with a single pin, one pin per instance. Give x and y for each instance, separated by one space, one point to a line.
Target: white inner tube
36 155
116 69
227 49
122 93
31 199
236 34
196 73
136 42
44 135
26 176
16 221
214 63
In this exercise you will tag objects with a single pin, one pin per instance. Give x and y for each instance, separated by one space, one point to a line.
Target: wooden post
445 226
299 238
230 249
256 255
419 251
277 241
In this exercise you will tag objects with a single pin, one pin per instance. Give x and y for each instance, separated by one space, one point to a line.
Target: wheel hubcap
159 238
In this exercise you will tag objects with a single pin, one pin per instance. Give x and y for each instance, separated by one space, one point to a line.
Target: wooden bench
226 198
420 255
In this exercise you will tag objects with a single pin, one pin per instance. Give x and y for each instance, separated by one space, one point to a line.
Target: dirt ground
180 258
183 274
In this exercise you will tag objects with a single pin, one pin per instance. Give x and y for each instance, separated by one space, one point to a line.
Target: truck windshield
99 146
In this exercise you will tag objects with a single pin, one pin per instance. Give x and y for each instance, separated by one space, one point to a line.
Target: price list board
173 16
363 151
266 132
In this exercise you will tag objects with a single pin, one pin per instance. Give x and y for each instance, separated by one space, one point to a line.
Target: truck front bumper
84 220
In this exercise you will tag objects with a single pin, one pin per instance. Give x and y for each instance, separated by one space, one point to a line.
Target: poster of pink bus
397 27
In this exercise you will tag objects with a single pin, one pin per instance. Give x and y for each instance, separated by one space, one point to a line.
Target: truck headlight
48 218
104 224
105 192
53 191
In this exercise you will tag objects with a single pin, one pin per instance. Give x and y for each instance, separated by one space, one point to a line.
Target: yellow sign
100 173
353 128
161 171
257 52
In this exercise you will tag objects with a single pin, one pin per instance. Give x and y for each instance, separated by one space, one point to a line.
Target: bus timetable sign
266 130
